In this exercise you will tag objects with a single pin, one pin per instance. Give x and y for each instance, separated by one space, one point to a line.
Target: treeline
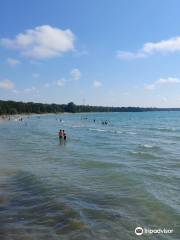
12 107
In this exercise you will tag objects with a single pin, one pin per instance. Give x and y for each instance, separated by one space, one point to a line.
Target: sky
110 53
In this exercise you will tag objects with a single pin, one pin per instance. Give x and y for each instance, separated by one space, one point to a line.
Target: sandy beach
21 117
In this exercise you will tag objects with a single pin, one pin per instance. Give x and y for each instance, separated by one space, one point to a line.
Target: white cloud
169 80
97 84
35 75
6 84
162 81
75 74
171 45
61 82
164 46
13 61
149 87
32 89
42 42
15 91
129 55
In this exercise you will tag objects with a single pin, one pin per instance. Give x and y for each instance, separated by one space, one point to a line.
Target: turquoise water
101 184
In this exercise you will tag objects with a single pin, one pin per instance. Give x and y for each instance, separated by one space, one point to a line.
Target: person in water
61 134
64 135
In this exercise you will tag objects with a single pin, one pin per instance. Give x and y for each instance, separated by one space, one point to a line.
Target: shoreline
18 117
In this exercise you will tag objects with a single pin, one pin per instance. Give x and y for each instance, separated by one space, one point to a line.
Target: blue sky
112 53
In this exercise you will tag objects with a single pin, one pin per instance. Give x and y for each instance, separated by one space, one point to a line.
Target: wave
142 154
163 129
106 130
167 129
98 130
176 137
113 131
32 203
100 164
149 146
118 131
132 133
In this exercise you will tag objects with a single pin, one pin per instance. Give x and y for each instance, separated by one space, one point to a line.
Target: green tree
71 107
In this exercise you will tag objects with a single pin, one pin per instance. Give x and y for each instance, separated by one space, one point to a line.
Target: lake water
101 184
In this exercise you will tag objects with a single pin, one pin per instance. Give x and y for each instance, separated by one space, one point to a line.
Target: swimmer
64 135
60 134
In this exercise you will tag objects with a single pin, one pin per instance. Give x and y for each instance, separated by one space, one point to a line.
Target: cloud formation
61 82
171 45
97 84
13 61
31 89
162 81
75 74
6 84
42 42
169 80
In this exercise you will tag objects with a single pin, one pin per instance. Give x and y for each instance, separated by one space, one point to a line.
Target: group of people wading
62 135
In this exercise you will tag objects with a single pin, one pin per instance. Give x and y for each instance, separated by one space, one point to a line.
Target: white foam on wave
117 131
132 133
150 146
106 130
97 129
77 126
147 146
167 129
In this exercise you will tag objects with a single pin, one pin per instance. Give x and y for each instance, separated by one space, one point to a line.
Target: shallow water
101 184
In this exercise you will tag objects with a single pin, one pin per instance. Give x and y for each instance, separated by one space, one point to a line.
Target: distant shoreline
8 108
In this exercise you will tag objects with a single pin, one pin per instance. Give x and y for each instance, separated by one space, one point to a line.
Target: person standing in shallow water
64 135
61 134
